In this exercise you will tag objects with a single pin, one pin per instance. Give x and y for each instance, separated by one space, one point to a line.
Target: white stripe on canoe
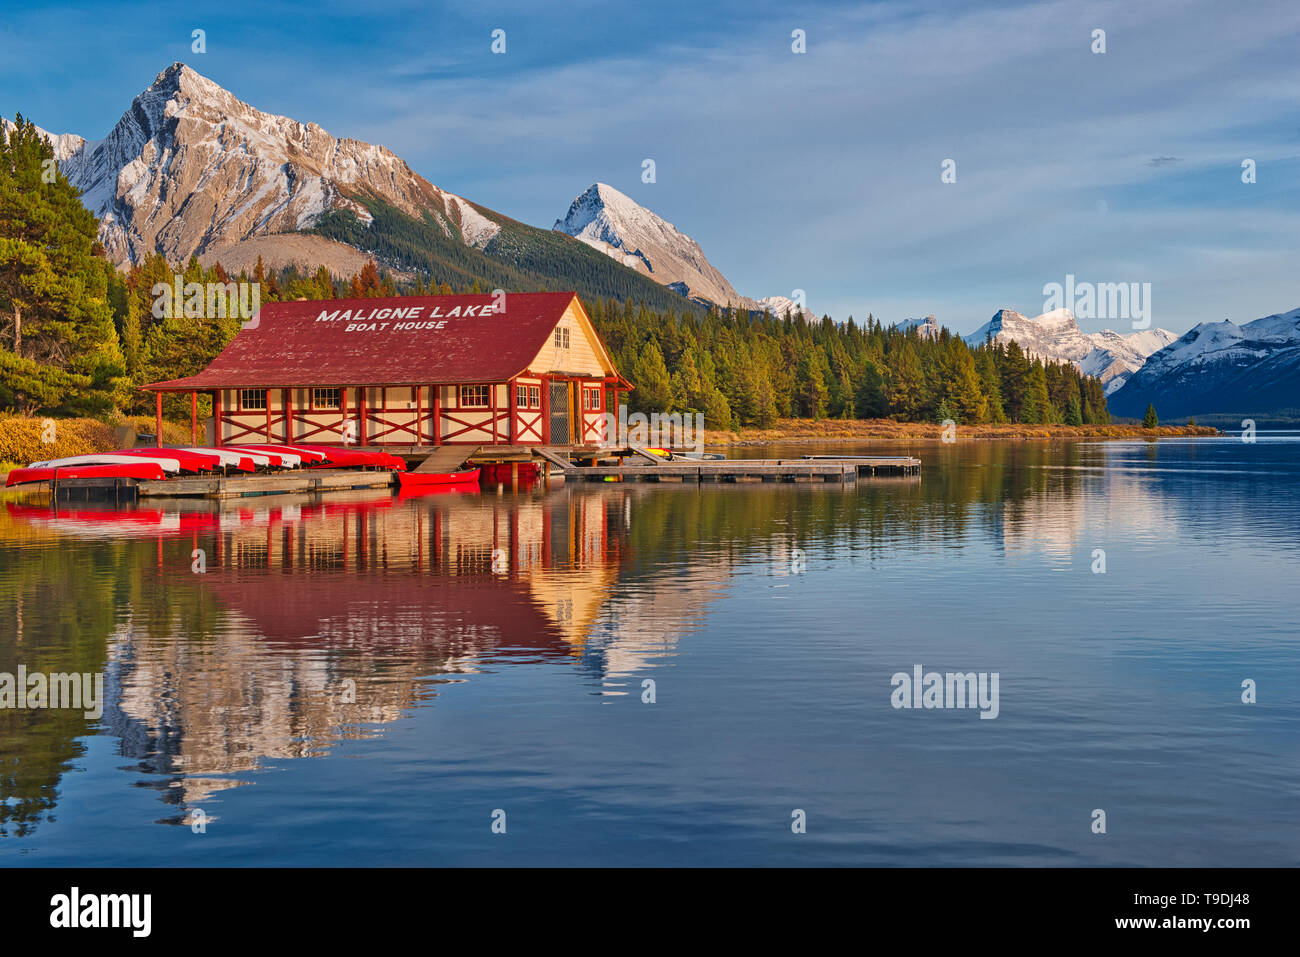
286 458
227 458
167 465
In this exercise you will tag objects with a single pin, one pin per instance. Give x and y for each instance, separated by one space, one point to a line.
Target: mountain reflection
315 622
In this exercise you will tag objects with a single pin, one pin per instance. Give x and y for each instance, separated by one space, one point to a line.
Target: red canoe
418 479
187 460
306 453
145 470
355 458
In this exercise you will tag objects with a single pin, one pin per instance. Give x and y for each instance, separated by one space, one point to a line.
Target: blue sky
817 171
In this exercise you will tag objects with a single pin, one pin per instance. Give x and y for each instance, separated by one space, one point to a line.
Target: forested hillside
519 257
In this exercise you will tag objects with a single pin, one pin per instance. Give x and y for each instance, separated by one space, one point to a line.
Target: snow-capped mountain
65 144
926 328
189 166
640 239
1220 367
1108 355
618 226
778 306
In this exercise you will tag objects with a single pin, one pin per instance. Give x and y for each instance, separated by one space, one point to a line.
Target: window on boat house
528 397
591 399
252 399
561 338
324 398
473 397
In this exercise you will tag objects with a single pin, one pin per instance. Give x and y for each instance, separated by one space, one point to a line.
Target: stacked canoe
162 463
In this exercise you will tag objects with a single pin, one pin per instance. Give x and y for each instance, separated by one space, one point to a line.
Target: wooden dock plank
806 469
309 480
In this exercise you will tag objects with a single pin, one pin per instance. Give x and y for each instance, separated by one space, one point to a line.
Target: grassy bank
26 439
833 430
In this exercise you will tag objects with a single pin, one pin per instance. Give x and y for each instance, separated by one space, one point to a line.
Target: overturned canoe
135 470
108 458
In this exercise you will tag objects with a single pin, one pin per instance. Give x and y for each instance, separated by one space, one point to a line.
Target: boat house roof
409 340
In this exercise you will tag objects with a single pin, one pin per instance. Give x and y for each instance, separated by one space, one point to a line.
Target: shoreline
800 431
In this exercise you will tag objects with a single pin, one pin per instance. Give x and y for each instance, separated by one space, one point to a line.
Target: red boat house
510 369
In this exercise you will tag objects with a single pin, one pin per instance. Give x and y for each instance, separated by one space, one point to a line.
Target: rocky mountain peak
614 223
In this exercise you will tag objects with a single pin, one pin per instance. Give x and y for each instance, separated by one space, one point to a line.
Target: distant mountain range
1214 368
1110 356
190 169
1220 367
927 328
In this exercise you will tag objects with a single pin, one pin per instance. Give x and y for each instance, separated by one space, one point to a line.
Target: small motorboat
422 479
689 456
135 469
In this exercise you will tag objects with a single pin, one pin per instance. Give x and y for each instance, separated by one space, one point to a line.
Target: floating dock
126 490
636 465
584 464
274 483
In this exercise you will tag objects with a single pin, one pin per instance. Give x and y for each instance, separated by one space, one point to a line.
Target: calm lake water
371 680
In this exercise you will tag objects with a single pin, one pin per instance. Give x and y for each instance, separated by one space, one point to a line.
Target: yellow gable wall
585 355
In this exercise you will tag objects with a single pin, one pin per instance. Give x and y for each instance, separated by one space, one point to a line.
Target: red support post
436 403
546 410
492 410
216 417
418 412
194 417
512 403
343 413
287 396
157 419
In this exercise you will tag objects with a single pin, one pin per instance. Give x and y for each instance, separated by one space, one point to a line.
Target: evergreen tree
54 287
990 384
1037 408
870 401
904 382
963 391
1015 382
650 376
717 411
1150 420
812 393
1073 413
765 414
